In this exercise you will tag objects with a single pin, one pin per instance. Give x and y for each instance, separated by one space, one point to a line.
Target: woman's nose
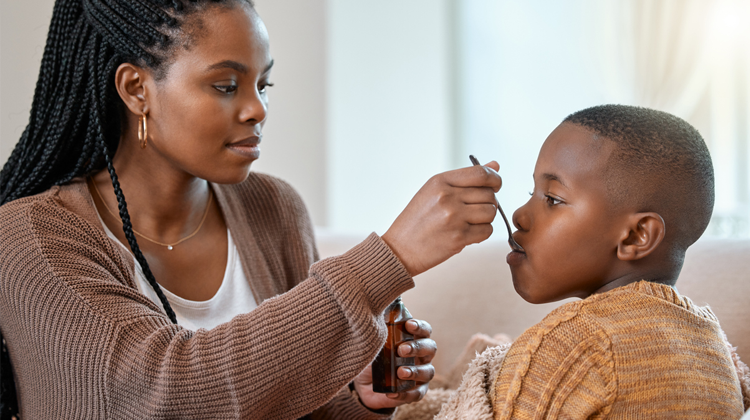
255 108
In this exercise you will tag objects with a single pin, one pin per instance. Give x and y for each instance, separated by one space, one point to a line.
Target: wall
23 32
390 114
361 114
294 141
294 146
524 67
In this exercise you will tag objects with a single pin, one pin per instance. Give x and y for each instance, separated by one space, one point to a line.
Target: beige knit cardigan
85 343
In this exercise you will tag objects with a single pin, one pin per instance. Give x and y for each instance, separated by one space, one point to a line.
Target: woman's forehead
225 34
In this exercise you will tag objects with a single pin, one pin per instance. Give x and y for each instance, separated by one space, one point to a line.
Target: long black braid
77 116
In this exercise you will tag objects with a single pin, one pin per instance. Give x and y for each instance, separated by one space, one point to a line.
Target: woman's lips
515 258
247 148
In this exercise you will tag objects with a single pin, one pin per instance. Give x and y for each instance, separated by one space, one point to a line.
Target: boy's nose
521 217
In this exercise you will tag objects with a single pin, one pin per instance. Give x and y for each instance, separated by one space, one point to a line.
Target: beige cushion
472 292
717 273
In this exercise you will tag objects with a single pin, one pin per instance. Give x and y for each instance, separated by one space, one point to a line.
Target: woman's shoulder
53 231
30 211
54 221
72 197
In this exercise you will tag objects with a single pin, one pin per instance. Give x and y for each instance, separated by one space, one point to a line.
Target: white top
234 296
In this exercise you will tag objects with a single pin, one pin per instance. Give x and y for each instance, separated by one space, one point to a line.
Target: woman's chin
229 175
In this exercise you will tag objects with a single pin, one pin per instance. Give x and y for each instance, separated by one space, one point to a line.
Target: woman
174 95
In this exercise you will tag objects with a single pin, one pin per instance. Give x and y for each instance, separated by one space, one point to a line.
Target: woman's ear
646 231
130 81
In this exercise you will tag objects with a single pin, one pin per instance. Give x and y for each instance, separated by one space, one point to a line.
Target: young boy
620 194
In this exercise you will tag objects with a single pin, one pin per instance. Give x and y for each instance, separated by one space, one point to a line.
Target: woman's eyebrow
228 64
268 67
235 65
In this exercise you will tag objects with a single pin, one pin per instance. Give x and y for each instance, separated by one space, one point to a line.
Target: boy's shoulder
632 307
612 321
618 327
624 345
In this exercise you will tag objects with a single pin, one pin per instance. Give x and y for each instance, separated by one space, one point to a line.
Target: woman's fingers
480 214
376 401
475 176
421 373
409 396
475 234
443 216
424 348
476 195
419 328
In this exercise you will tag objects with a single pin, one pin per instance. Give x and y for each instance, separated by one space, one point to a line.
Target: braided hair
77 116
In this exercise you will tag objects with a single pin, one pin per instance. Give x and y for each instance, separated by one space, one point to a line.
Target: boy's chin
528 293
524 292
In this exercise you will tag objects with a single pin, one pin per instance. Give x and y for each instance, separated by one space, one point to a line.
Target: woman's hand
423 348
450 211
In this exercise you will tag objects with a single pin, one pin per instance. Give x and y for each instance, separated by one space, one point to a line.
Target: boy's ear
644 234
130 81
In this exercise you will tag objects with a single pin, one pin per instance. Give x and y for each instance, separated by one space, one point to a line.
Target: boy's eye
226 88
552 201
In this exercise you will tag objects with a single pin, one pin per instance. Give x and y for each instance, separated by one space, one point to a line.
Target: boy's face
568 228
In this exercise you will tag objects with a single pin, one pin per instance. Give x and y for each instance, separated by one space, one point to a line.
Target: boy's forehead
572 151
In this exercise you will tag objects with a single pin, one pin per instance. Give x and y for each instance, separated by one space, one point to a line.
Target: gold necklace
169 246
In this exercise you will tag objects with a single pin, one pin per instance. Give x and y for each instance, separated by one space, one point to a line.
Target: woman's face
206 116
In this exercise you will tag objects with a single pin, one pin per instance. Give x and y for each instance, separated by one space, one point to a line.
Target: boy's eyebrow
553 177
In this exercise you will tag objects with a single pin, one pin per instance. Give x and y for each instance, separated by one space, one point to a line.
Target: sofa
473 293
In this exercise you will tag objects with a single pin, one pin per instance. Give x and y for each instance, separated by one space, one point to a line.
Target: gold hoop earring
143 130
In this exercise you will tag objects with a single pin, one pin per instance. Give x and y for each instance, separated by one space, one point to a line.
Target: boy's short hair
660 163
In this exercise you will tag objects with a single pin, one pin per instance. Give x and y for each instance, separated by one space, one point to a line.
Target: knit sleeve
346 405
560 368
298 251
85 343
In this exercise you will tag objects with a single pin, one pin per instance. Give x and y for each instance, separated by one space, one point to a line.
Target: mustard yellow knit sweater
640 351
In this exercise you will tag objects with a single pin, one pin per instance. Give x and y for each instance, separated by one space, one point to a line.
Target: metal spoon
513 244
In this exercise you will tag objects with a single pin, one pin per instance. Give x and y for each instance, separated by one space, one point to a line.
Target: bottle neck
396 312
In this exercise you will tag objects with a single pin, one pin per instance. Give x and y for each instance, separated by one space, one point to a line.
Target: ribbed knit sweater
640 351
85 343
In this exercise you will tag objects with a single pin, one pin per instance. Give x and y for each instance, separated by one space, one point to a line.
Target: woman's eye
531 193
226 88
264 86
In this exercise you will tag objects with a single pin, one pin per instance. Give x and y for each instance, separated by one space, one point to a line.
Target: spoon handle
513 244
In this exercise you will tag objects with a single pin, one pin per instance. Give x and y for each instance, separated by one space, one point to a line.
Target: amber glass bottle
384 378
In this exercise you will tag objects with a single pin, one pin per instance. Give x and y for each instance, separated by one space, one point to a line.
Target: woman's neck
164 204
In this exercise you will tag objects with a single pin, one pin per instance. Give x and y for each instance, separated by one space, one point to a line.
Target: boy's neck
653 276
